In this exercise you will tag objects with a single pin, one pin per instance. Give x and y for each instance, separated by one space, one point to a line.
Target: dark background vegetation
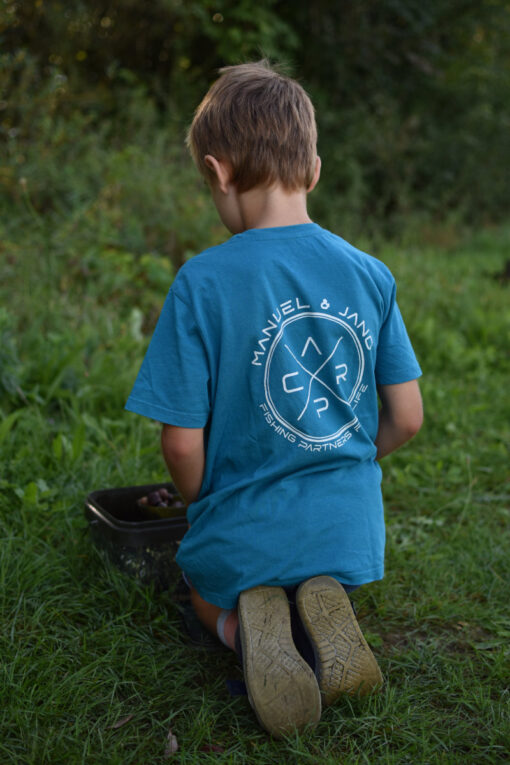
99 205
412 101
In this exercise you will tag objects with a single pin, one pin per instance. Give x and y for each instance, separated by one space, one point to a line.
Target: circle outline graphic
361 369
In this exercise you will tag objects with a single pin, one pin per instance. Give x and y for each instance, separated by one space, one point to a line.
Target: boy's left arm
400 416
184 453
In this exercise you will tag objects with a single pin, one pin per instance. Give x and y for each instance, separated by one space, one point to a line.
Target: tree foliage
412 98
416 100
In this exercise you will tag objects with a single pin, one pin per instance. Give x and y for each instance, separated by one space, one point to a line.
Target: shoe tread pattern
282 688
345 662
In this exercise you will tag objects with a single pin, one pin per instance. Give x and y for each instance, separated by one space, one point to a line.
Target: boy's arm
400 416
184 453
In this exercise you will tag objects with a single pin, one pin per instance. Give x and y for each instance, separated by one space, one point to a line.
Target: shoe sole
282 688
344 661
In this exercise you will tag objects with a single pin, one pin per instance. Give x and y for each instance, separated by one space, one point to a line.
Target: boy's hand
400 416
183 450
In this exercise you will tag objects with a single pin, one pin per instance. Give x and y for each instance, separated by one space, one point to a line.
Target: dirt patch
456 637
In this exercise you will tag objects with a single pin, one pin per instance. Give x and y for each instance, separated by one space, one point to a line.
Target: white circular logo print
314 368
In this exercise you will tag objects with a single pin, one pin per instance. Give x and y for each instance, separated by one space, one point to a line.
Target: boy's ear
316 175
221 170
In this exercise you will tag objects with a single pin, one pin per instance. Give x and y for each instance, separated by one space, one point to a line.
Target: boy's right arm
184 453
400 416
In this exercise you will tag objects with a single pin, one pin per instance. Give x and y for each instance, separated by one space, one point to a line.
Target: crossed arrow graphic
314 376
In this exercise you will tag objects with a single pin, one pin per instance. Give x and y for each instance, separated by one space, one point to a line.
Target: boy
264 369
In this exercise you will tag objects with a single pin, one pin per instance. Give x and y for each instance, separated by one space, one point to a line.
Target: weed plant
95 668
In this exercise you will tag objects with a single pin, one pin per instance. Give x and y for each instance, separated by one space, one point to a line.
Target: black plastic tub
139 544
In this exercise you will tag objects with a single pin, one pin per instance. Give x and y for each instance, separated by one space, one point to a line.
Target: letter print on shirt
313 371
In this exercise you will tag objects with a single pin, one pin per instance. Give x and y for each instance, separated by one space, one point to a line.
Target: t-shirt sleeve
172 385
396 361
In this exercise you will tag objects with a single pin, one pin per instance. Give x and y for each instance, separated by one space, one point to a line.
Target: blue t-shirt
274 342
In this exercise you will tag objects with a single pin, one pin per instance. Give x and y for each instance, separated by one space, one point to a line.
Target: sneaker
282 689
344 662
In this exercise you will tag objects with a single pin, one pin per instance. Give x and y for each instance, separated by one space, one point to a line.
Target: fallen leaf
488 645
121 722
212 748
171 744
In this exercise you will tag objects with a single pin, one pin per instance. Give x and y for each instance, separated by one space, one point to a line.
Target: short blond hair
259 121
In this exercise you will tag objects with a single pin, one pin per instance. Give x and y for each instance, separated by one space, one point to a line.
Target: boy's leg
344 662
219 621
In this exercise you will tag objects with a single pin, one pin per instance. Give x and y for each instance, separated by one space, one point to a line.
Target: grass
95 668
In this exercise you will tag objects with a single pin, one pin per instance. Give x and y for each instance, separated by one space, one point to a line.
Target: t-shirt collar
281 232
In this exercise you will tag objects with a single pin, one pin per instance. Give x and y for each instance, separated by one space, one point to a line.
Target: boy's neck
276 206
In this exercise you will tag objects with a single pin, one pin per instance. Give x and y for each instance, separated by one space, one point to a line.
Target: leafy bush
412 99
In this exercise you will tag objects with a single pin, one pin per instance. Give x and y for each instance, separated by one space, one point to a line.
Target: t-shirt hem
167 416
229 603
397 379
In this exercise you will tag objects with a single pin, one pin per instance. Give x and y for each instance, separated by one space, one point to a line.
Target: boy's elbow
176 452
180 444
412 424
